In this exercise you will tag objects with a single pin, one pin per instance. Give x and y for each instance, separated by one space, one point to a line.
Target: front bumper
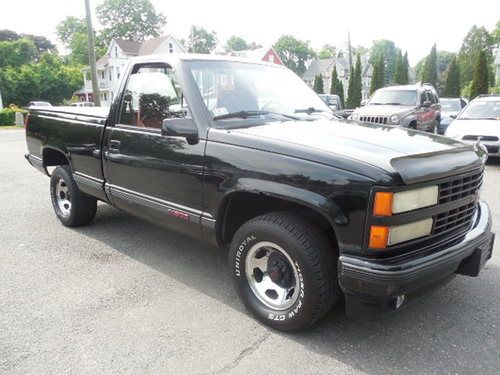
376 287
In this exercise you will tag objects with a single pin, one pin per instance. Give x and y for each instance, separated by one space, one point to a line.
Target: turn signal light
382 205
379 236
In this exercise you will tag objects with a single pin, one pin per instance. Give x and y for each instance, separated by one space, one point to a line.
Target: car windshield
485 110
240 91
394 97
450 105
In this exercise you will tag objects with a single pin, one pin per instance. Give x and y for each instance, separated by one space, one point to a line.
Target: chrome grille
374 119
486 138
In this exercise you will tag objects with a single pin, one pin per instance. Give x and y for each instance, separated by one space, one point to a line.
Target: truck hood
383 110
414 155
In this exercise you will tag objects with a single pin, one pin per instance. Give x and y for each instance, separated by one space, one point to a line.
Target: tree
354 90
398 72
8 35
480 76
48 79
17 52
477 39
294 53
69 26
495 35
429 73
318 84
130 19
377 75
327 52
201 40
389 51
452 85
41 43
405 79
336 86
236 43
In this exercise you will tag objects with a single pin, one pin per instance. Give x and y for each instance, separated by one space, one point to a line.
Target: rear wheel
284 270
72 207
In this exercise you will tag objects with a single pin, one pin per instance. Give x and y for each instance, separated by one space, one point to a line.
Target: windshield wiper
308 110
395 103
246 114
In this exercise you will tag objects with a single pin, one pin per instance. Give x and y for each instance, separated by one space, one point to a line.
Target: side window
423 97
151 95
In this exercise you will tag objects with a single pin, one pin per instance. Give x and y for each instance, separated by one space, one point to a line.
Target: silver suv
410 106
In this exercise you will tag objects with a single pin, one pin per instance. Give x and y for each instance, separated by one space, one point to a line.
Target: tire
284 252
73 208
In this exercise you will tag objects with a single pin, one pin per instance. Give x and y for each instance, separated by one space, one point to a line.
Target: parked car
38 104
409 106
82 104
333 101
309 206
450 108
479 122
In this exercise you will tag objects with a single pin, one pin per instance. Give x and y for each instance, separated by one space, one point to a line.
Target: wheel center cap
274 273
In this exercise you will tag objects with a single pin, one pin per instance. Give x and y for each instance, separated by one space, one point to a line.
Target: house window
87 76
110 75
116 51
104 96
271 58
102 74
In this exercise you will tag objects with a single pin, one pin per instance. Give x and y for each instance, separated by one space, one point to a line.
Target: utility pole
93 69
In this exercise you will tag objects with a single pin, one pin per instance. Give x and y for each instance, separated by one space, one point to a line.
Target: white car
479 121
82 104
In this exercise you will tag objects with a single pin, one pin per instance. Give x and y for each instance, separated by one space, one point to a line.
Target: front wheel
284 270
72 207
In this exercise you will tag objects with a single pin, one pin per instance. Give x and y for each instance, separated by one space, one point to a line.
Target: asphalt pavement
124 296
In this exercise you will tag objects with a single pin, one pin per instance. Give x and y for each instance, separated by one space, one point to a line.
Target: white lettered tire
284 270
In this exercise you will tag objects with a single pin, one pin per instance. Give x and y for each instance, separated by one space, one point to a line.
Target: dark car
333 101
450 108
409 106
244 155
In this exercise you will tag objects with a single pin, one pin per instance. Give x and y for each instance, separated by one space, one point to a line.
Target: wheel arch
240 205
52 156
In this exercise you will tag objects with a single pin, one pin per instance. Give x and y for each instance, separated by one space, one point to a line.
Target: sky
413 25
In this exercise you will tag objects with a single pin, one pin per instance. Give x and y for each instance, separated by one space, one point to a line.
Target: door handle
114 146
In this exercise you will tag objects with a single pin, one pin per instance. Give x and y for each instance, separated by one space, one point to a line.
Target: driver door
152 175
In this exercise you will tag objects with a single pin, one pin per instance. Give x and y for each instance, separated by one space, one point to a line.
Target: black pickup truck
244 155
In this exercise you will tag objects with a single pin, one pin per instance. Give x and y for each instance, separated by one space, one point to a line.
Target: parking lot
124 296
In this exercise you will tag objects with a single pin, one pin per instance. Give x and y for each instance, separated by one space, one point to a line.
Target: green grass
11 127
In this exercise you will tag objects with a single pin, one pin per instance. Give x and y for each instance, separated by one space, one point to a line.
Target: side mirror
363 103
180 127
426 104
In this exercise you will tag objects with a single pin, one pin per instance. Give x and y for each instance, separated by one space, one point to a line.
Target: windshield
486 110
394 97
250 90
450 105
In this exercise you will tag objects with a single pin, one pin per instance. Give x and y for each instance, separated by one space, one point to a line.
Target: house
325 68
111 66
260 54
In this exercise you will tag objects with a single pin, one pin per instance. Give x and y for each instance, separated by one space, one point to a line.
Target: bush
8 115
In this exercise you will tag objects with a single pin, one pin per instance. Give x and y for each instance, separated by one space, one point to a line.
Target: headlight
394 119
387 203
355 116
383 236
